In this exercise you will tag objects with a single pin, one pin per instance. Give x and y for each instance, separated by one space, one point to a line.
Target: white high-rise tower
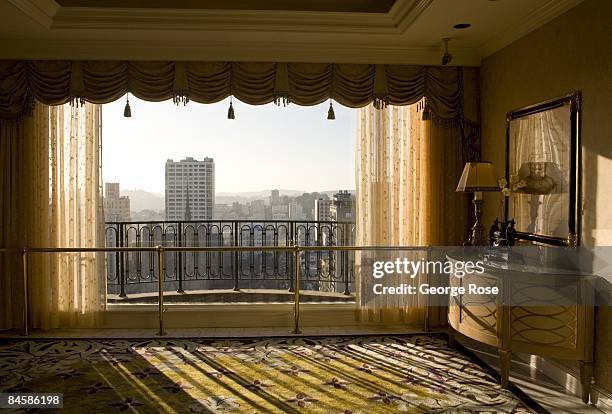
190 189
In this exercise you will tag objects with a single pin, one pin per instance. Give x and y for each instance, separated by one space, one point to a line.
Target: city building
342 206
274 197
116 208
280 211
190 189
296 211
258 210
220 210
322 209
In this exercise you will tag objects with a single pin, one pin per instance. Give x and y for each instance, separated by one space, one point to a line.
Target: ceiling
356 31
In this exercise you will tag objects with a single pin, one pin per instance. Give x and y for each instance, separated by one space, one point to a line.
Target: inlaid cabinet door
545 315
474 314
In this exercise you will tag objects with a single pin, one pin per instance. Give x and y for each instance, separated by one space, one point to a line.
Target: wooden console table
519 319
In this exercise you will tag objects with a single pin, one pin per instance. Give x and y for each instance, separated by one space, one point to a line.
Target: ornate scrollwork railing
130 272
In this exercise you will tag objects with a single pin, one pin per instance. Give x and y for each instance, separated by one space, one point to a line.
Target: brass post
160 289
296 288
26 298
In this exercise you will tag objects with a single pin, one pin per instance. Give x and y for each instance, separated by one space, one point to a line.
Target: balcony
230 277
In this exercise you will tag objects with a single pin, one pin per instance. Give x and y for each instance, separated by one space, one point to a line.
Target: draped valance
352 85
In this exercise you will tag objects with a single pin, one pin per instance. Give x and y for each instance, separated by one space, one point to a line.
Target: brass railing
296 250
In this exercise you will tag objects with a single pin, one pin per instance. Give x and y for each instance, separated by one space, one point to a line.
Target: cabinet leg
586 378
451 337
505 357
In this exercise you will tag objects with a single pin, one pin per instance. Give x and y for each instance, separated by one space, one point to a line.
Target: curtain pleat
310 83
353 85
253 83
406 84
13 89
153 81
106 82
12 215
51 79
208 82
256 83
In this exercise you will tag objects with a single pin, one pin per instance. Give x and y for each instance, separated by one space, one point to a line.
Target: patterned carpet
413 374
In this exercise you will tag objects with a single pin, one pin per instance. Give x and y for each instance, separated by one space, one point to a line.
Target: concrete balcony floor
243 296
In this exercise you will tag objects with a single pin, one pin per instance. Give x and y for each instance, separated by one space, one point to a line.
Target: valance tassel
281 99
77 100
426 113
381 102
230 111
180 98
330 112
127 111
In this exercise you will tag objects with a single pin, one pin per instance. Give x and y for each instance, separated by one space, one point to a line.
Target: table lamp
476 178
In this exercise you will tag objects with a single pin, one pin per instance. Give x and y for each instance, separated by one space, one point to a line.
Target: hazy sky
265 147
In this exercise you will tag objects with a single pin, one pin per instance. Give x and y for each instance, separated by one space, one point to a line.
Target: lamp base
476 237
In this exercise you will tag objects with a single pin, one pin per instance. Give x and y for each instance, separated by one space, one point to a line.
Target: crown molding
70 18
41 11
535 19
404 13
262 51
401 16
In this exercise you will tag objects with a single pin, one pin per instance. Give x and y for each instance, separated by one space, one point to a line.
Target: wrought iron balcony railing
135 272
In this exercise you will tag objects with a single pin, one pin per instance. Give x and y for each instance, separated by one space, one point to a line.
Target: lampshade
477 176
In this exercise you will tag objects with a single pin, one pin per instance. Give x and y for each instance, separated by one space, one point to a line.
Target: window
240 162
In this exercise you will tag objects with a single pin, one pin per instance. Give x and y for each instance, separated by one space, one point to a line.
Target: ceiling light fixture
446 57
127 111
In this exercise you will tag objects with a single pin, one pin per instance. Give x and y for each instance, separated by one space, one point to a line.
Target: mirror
543 171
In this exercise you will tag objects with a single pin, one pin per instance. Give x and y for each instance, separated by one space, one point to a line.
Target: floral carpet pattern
381 374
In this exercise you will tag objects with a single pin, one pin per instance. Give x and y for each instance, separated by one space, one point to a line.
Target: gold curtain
24 190
407 171
51 179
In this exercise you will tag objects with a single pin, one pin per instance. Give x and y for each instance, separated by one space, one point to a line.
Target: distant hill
248 196
144 200
243 197
260 194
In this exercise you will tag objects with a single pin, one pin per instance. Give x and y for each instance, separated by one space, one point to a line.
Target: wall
572 52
